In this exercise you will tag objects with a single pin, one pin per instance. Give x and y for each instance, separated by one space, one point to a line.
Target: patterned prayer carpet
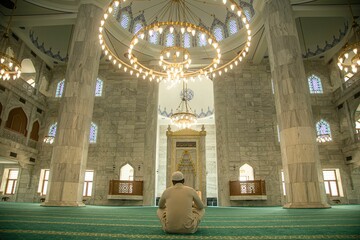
31 221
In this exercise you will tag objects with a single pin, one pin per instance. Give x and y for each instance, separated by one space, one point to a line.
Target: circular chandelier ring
160 75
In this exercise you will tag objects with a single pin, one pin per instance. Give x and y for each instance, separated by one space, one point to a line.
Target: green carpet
30 221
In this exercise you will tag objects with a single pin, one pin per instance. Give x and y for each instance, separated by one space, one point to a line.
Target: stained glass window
170 39
315 84
323 131
186 40
201 40
247 13
115 10
125 20
60 88
99 87
232 26
137 27
218 32
93 133
52 130
154 38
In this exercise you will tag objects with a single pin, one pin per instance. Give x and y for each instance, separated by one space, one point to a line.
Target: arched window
98 87
27 66
125 20
52 130
115 10
315 84
17 121
186 40
218 32
127 173
60 88
201 40
246 173
232 26
247 13
154 38
169 39
93 133
323 131
137 26
34 135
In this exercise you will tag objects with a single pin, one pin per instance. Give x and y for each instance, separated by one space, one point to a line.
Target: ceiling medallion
174 62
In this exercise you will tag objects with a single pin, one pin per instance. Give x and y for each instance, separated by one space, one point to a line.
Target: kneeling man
180 208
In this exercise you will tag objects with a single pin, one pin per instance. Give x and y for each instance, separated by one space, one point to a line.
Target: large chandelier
349 58
174 62
10 67
184 116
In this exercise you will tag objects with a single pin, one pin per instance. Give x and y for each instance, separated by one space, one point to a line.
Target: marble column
299 151
69 156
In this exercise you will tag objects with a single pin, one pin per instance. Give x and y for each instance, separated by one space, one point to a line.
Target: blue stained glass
125 20
60 88
98 88
170 41
247 14
315 84
201 40
154 38
93 133
323 128
186 40
218 33
52 130
232 26
137 27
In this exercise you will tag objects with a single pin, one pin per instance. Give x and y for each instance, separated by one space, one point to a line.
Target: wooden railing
120 187
240 188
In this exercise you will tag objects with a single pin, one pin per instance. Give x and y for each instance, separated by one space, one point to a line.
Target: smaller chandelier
349 58
10 67
184 116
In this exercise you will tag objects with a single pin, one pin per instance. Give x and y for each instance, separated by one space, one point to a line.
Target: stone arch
17 121
34 135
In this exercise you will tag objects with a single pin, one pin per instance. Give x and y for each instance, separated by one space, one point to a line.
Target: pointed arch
34 135
127 172
323 131
246 173
315 85
17 121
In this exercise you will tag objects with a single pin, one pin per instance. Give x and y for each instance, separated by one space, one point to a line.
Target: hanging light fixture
174 62
10 67
349 58
184 116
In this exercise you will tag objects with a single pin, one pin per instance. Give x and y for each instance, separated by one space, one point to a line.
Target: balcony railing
242 188
125 188
347 88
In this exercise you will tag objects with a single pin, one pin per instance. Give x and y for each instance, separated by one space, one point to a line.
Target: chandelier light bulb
178 54
171 29
160 30
151 32
232 7
182 30
346 55
355 50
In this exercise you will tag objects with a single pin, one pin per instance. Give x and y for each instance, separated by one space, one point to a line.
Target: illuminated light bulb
240 58
102 22
101 41
210 40
193 32
142 36
182 30
247 49
218 50
10 64
137 74
100 29
186 56
244 54
171 29
160 30
106 16
341 67
247 26
248 31
213 74
211 69
249 38
355 50
106 52
232 7
225 69
224 1
215 65
341 60
114 61
219 55
215 45
136 40
346 69
2 60
219 73
177 53
151 32
125 69
116 3
131 61
231 66
189 61
346 55
119 65
189 29
144 77
168 54
358 62
131 72
248 43
110 9
140 70
161 57
239 13
236 63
